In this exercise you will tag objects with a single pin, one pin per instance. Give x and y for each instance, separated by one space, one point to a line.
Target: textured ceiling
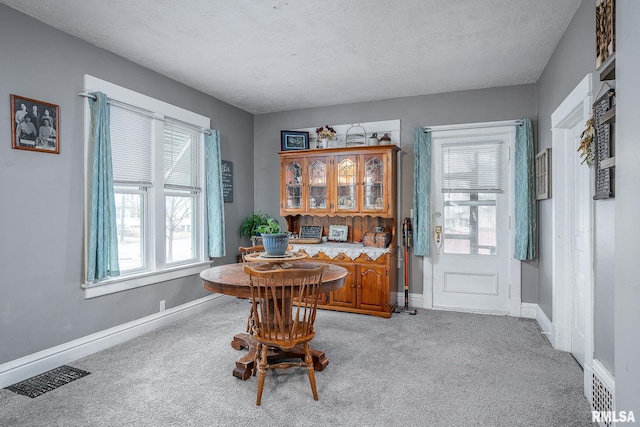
273 55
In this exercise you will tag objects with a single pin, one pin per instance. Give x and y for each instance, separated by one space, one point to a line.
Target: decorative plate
266 255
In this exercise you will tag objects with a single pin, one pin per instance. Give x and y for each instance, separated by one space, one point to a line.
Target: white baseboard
587 382
545 324
605 375
533 311
528 310
45 360
415 300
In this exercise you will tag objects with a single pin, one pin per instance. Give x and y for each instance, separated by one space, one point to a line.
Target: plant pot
275 244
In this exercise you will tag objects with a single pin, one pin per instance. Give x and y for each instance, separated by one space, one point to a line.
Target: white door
581 243
471 260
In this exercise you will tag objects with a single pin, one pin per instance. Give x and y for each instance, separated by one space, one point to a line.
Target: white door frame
575 108
515 265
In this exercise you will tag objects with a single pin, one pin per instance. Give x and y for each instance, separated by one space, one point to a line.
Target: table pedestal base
244 365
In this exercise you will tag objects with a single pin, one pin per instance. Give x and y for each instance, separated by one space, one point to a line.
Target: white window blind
131 138
181 156
472 167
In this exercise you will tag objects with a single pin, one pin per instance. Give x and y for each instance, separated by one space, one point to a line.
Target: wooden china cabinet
354 186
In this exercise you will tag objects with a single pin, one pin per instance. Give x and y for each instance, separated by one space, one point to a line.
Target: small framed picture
311 232
543 174
35 125
292 140
338 233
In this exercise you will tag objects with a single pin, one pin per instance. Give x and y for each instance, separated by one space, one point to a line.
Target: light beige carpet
433 369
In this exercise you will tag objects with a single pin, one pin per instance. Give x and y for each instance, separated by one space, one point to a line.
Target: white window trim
136 280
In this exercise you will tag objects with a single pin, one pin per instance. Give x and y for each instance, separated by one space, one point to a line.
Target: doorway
472 215
572 226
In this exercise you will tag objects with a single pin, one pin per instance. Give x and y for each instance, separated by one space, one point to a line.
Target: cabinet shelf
355 173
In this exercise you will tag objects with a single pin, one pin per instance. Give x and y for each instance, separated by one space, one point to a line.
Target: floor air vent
602 391
50 380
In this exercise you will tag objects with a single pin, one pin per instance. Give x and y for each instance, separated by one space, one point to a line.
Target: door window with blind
472 178
157 155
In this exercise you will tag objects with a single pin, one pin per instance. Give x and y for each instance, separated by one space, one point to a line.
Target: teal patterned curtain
215 201
103 238
421 192
525 193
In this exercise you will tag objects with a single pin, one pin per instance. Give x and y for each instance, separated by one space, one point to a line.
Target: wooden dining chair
280 325
244 251
250 250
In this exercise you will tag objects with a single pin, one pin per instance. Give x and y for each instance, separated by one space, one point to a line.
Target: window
471 182
470 225
157 153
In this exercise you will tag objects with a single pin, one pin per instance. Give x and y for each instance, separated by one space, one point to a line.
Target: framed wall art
35 125
338 233
294 140
605 30
543 174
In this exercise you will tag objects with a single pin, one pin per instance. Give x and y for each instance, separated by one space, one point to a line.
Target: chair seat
281 341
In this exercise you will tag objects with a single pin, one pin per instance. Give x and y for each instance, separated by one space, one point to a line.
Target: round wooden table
230 279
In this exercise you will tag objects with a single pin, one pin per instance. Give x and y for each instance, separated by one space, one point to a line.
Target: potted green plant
248 227
275 241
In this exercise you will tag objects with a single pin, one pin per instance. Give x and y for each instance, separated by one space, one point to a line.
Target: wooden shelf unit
354 186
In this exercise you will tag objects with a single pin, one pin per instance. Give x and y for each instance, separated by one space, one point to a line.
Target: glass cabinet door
373 183
347 177
293 185
318 174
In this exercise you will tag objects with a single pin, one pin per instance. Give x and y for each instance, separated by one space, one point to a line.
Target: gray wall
503 103
627 284
572 59
41 218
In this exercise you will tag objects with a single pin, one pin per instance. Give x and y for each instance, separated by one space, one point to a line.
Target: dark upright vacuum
407 242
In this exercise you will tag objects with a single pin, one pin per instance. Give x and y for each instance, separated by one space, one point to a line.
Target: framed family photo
35 125
292 140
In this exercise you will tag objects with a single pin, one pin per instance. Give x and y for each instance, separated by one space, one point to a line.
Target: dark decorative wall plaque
227 181
605 170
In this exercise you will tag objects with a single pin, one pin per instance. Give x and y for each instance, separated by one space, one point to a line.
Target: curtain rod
139 109
473 125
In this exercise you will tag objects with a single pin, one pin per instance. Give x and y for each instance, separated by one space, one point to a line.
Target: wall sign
227 181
